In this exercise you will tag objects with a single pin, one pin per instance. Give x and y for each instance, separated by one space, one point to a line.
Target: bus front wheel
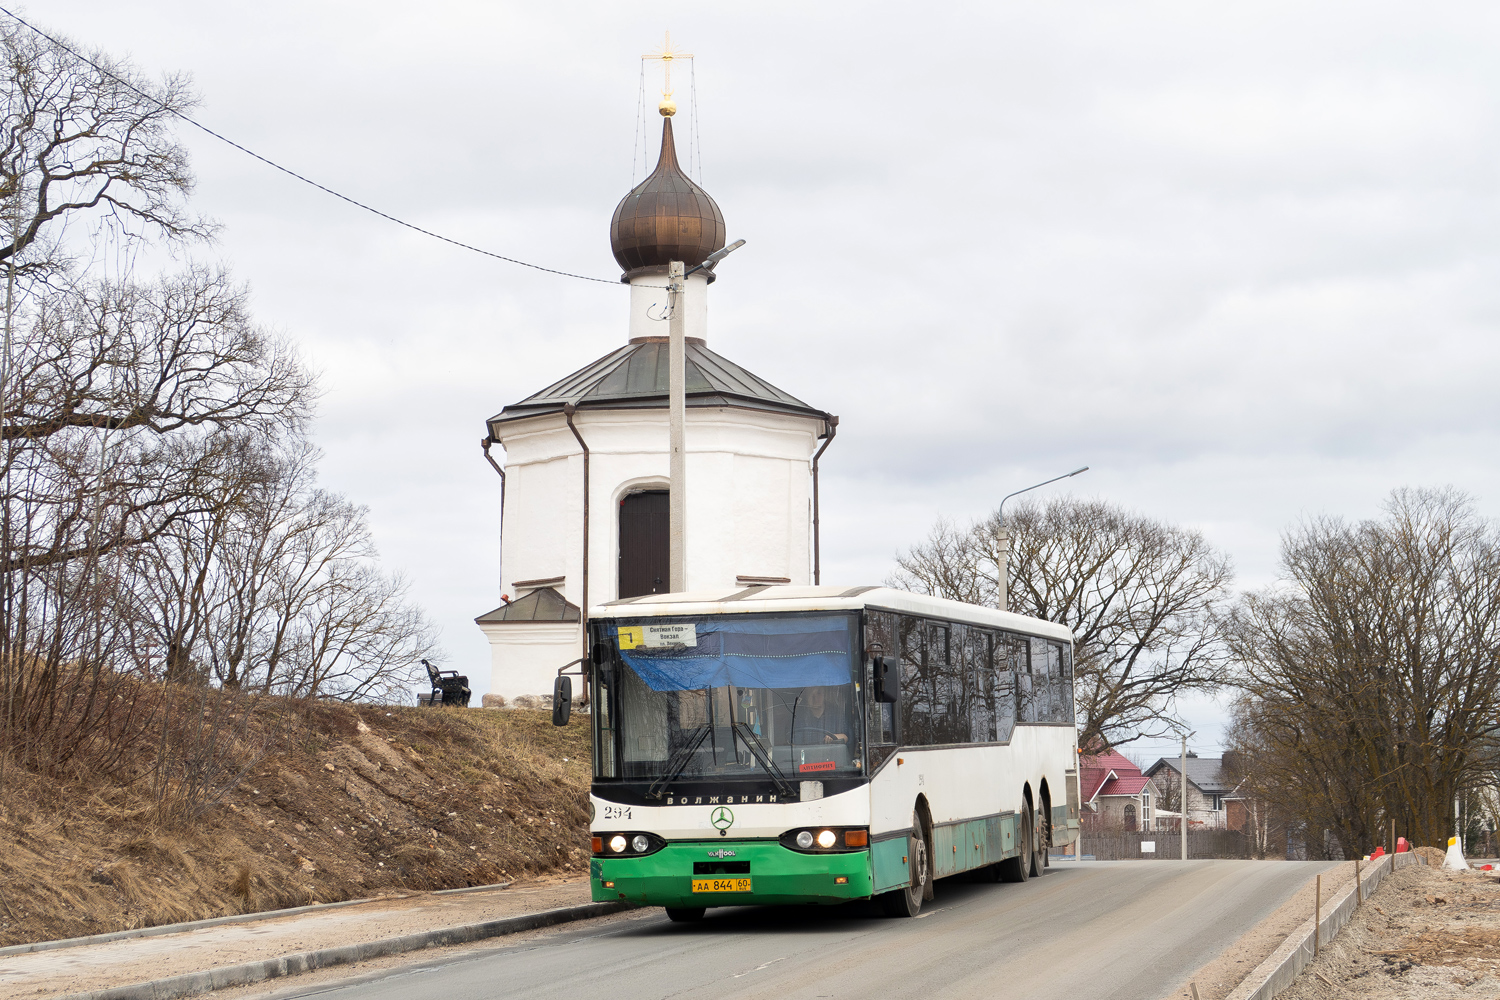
907 902
685 914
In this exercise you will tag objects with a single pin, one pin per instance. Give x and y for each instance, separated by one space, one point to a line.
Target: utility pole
677 419
1182 806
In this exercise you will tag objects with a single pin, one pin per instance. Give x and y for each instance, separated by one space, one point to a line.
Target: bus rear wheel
1018 869
1044 840
907 902
685 914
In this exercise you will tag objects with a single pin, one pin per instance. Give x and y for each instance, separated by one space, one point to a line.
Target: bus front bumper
777 875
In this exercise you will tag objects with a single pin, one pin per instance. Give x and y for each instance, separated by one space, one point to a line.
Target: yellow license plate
721 885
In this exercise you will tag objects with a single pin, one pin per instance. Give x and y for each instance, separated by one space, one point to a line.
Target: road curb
1280 970
308 961
234 918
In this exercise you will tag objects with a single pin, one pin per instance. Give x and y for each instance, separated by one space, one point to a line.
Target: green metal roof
541 605
635 377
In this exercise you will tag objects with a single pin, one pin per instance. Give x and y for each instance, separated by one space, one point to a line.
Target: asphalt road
1103 931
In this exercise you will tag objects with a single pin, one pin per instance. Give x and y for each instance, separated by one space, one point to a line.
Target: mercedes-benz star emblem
721 818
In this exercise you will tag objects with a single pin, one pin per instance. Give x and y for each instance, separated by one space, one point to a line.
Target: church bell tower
586 459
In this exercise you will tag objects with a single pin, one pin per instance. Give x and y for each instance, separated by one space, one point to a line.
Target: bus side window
916 689
1046 672
979 677
881 629
1005 689
1028 691
1065 706
953 683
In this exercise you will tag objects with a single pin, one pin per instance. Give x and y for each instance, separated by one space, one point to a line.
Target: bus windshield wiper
762 757
678 762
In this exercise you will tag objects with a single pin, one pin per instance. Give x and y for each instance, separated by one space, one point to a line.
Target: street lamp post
677 412
1004 580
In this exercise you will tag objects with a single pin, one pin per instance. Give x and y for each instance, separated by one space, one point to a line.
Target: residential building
1209 792
1115 793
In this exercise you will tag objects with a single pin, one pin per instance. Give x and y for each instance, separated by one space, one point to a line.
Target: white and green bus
821 744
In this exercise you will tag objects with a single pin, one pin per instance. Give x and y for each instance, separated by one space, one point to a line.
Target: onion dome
666 217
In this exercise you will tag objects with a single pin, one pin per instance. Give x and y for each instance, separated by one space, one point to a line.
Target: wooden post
1317 912
1392 848
1358 892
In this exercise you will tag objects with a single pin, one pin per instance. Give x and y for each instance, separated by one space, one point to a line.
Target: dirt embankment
352 802
1424 933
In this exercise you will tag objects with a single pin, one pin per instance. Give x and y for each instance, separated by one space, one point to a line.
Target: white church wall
775 544
749 489
530 654
538 498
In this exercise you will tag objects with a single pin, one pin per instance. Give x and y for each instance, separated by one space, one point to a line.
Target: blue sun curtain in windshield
753 653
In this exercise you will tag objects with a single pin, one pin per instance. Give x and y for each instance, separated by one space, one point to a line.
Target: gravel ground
1424 933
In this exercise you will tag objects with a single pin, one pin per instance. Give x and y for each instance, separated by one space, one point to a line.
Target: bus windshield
730 696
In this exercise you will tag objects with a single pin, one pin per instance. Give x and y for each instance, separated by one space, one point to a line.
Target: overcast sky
1238 259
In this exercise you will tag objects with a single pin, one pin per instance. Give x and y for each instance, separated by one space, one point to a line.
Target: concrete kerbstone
1281 969
308 961
237 918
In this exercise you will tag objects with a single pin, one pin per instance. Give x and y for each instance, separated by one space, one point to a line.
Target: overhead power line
286 170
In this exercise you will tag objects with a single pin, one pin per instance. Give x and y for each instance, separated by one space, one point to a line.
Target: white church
585 508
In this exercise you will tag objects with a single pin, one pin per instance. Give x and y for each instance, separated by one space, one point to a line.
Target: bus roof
762 599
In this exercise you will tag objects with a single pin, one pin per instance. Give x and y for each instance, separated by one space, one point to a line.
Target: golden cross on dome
667 107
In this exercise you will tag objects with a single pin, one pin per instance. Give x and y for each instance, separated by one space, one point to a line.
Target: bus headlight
627 843
832 838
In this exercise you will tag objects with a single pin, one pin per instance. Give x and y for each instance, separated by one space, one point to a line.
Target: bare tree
81 138
161 532
276 590
1140 595
305 609
127 405
1371 675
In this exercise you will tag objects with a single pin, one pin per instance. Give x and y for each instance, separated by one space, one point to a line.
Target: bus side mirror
887 680
562 700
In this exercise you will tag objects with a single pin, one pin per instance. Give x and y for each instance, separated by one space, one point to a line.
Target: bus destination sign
658 636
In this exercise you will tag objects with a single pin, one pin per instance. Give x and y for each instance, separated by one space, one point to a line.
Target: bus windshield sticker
821 765
662 636
630 637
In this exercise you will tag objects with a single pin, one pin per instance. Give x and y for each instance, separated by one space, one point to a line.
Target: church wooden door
645 544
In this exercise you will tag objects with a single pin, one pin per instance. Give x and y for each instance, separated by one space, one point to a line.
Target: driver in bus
819 721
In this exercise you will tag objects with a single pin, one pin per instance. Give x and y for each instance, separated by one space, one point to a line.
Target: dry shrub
210 739
241 885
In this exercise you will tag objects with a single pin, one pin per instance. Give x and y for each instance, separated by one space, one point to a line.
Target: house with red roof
1115 793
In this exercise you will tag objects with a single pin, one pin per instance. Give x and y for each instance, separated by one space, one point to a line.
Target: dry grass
353 802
